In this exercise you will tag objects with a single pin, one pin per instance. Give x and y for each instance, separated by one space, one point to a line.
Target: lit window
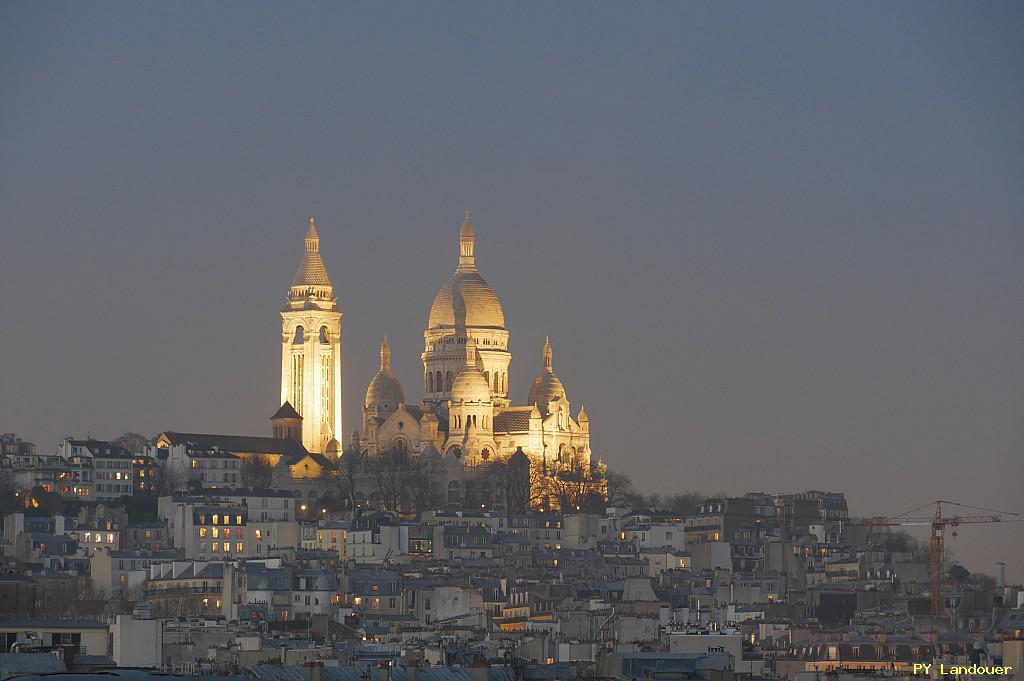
238 547
216 519
110 538
238 520
259 534
121 579
215 547
216 532
202 531
227 547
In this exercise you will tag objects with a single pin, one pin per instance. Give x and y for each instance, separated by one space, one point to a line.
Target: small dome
333 447
384 389
470 384
546 387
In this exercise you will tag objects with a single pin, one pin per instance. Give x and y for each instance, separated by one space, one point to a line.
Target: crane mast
937 539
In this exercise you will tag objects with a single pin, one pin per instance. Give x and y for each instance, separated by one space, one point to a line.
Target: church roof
312 271
320 459
513 421
238 443
286 411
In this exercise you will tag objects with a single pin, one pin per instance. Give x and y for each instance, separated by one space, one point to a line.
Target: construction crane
937 539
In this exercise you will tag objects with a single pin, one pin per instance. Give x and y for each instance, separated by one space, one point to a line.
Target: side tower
311 349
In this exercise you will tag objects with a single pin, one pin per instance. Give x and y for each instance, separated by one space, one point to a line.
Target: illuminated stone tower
311 349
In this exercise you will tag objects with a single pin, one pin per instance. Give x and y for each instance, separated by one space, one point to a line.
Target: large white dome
466 299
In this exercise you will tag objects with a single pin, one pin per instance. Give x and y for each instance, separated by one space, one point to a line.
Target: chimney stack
1000 574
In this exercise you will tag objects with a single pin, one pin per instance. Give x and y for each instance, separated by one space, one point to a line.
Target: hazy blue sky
777 246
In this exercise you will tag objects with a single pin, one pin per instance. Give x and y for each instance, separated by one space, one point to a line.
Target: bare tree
392 473
513 477
133 442
422 483
257 472
345 479
171 479
685 503
619 488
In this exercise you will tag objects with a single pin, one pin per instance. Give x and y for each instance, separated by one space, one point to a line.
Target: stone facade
465 419
466 413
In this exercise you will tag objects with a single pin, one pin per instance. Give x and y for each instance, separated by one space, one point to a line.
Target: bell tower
311 349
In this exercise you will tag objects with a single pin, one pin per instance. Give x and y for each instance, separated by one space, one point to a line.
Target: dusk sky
777 246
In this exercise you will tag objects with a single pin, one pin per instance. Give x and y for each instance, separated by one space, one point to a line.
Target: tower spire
385 356
547 356
467 242
312 237
311 270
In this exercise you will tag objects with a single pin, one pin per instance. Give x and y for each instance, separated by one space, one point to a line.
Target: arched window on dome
497 382
300 336
561 453
487 377
430 381
325 336
504 383
448 379
437 382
